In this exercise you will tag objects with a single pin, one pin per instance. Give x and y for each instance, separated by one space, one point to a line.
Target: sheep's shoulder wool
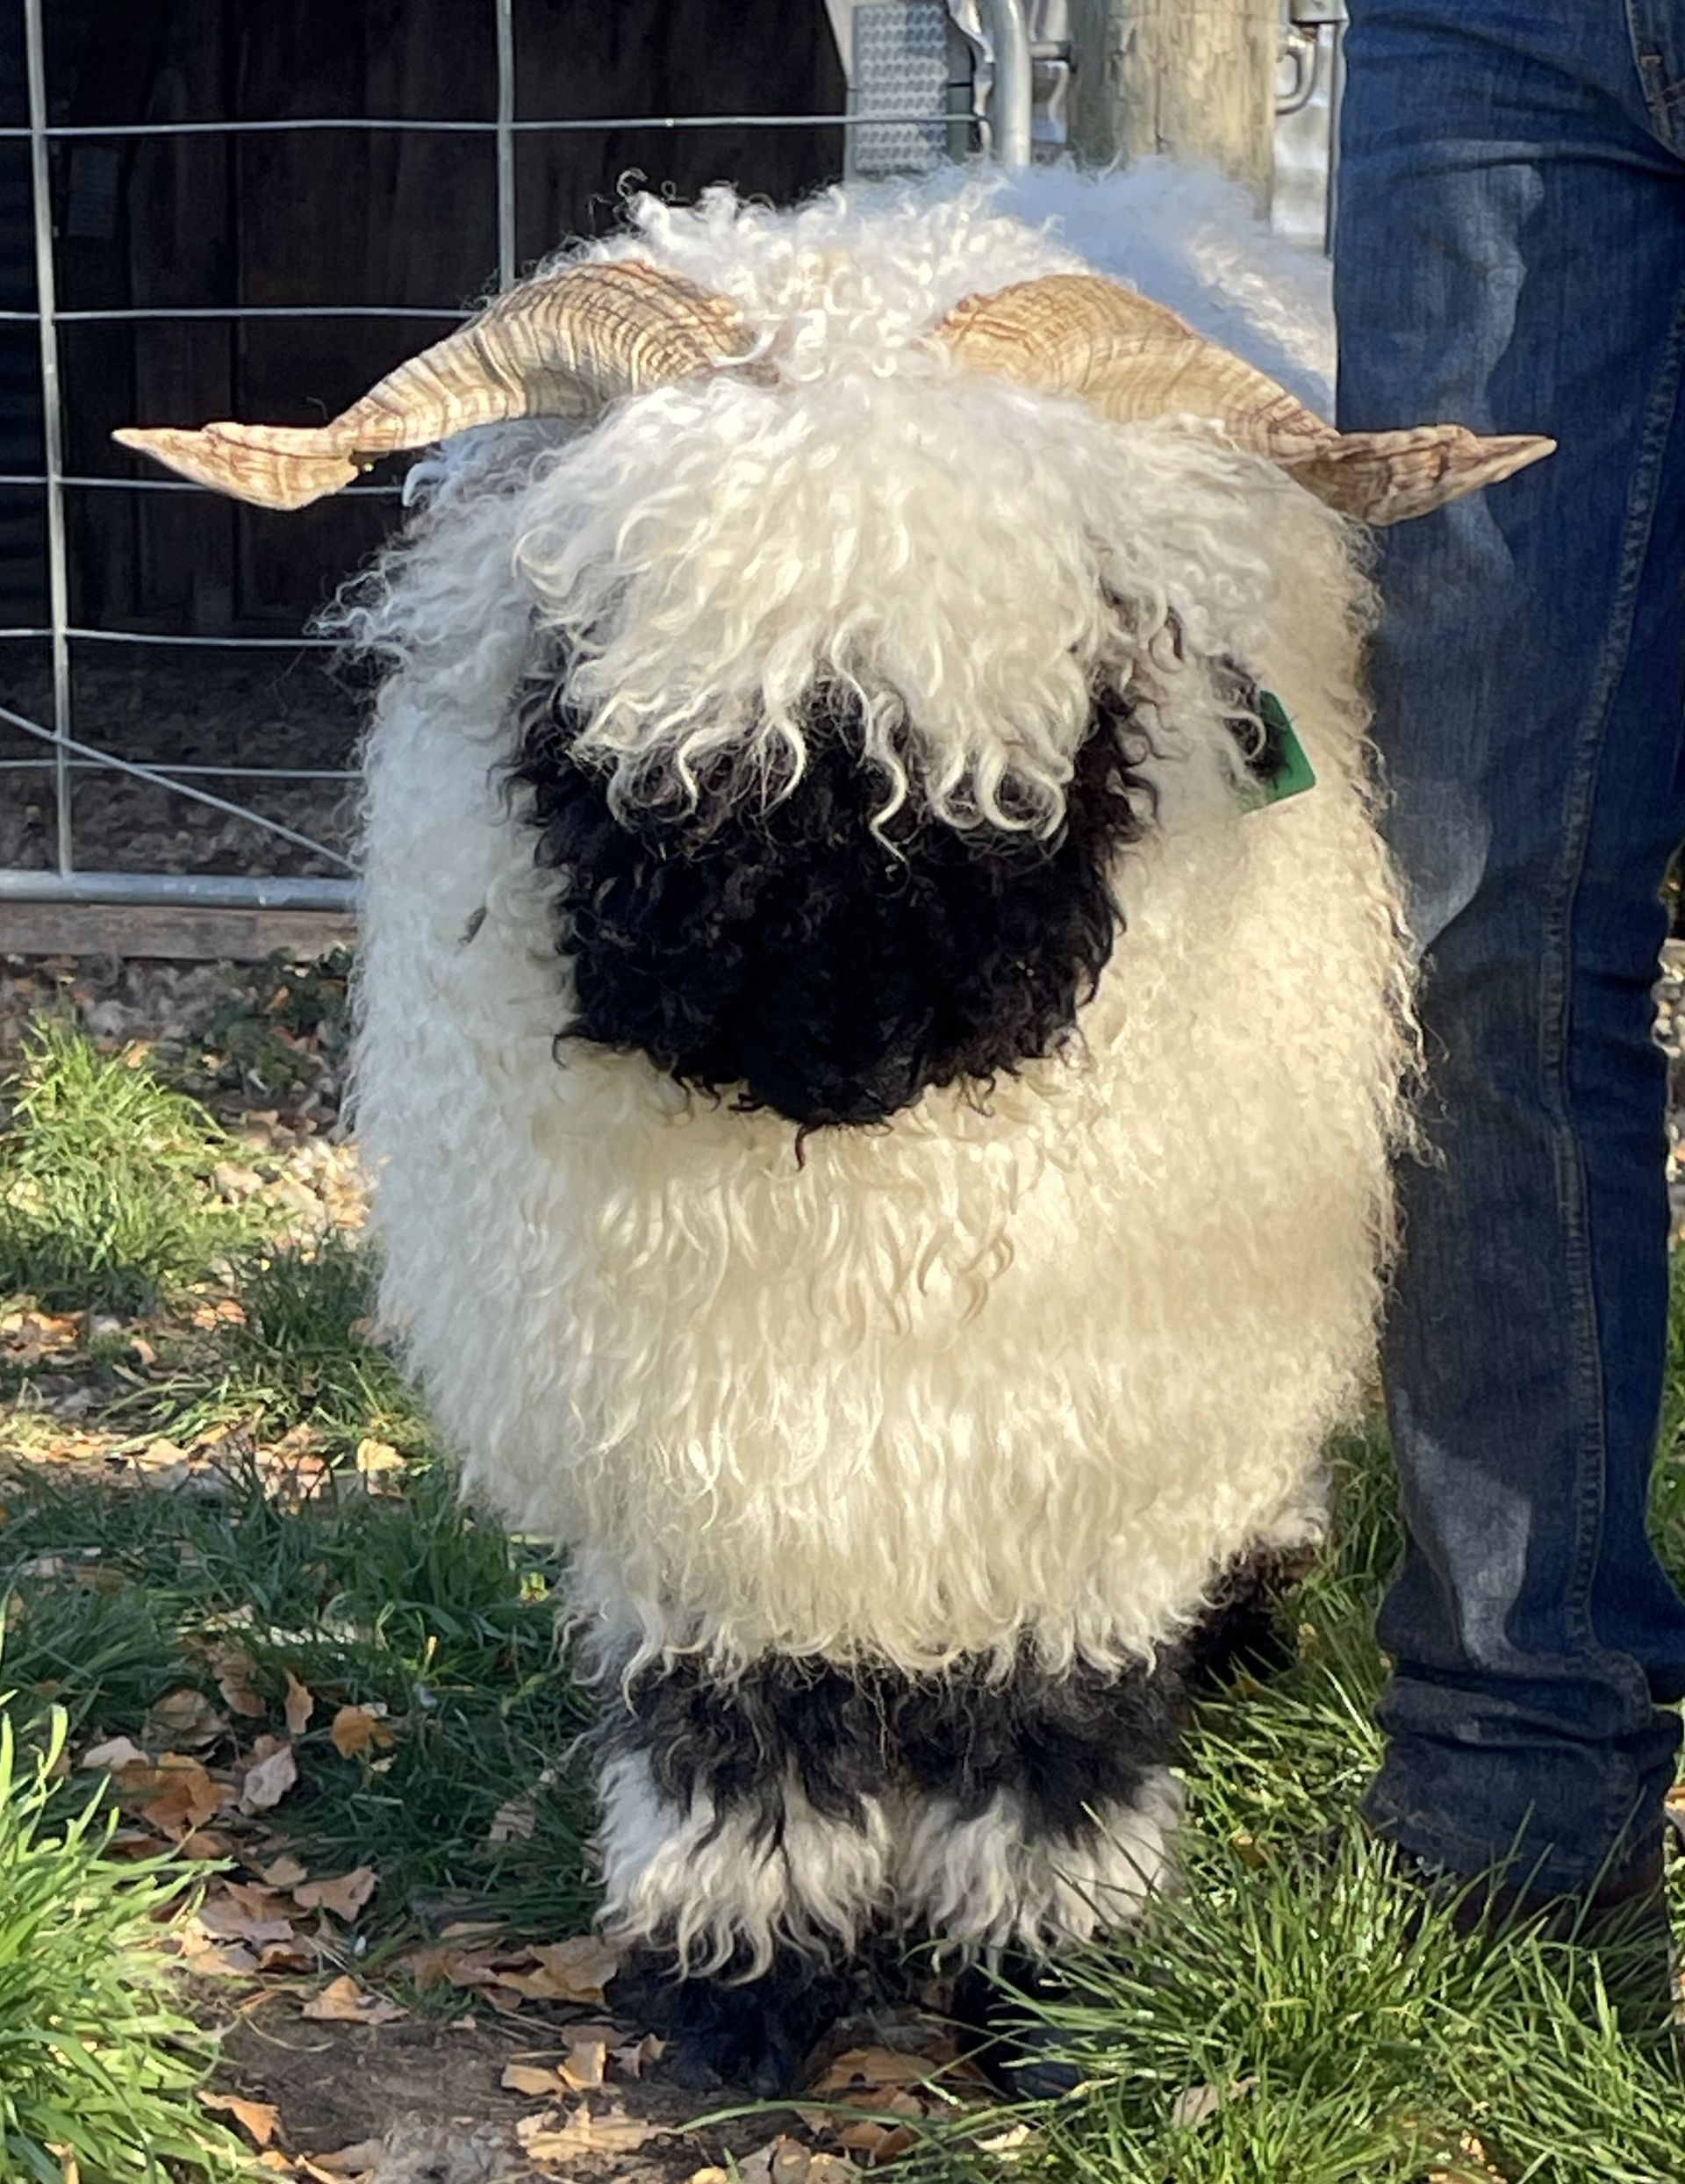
879 1148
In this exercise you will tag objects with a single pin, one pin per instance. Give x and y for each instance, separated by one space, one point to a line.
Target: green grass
98 2060
105 1197
1346 2048
1349 2049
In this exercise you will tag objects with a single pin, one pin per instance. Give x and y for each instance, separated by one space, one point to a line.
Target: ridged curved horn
1078 333
561 346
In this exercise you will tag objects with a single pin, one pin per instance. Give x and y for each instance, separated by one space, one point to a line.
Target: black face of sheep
801 952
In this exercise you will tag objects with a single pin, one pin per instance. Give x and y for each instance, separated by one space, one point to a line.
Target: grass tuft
105 1201
99 2064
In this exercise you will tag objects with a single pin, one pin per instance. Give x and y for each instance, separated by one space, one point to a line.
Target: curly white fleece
1035 1368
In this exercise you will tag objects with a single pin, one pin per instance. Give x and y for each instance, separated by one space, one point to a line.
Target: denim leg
1510 255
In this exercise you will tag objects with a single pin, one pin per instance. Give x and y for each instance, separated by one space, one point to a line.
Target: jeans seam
1658 94
1586 1334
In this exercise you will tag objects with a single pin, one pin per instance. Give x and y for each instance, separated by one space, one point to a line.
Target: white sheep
881 1131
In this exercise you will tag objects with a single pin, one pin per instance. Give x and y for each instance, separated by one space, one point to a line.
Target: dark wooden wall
353 218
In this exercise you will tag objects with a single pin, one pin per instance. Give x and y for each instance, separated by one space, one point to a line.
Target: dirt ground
188 706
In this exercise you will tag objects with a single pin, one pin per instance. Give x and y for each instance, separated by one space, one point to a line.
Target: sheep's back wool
881 1146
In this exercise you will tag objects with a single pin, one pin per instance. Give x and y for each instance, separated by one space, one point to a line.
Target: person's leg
1510 255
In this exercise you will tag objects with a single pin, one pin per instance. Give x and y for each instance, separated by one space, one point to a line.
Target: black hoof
1021 2057
756 2033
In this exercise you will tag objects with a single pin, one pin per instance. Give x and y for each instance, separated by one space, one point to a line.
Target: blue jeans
1510 255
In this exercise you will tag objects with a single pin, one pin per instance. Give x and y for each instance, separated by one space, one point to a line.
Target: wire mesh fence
183 740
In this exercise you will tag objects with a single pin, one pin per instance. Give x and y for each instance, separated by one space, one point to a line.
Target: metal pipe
1012 100
170 312
469 128
505 142
58 566
225 644
66 744
197 890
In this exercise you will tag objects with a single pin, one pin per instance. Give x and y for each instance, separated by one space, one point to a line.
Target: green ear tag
1295 773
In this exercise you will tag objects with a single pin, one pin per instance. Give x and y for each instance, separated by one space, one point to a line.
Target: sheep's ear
1385 476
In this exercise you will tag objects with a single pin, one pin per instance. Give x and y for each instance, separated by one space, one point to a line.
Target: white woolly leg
734 1890
988 1883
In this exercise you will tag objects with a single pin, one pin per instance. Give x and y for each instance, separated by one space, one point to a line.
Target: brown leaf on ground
346 2003
359 1730
206 1959
1194 2103
185 1797
633 2059
531 2078
298 1955
513 1822
344 1896
878 2142
462 1967
868 2067
376 1456
785 2160
283 1873
551 2138
576 1971
234 1669
207 1843
271 1775
301 1704
581 2068
112 1753
184 1718
224 1914
351 2160
256 2118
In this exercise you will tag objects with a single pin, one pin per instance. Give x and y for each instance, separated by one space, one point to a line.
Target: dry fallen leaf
234 1669
632 2059
359 1730
208 1959
878 2142
576 1971
351 2160
875 2066
269 1778
513 1823
257 2119
1007 2142
581 2132
184 1717
345 1896
205 1843
529 2078
1194 2103
225 1916
186 1797
376 1456
114 1752
583 2066
301 1704
346 2003
283 1873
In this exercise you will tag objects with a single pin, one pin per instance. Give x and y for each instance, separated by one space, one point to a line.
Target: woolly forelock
1025 1370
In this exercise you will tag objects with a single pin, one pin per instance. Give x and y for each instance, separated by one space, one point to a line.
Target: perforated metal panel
902 63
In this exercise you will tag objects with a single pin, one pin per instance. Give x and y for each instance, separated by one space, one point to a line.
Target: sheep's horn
560 346
1077 333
